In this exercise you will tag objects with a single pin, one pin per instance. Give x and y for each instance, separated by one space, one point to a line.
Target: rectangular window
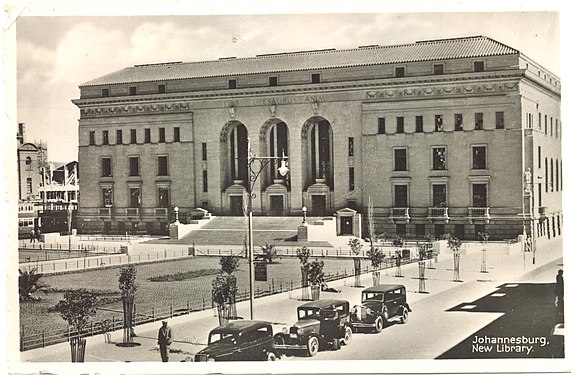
545 124
551 126
29 185
499 120
273 81
161 135
479 195
119 137
163 197
459 231
438 69
556 128
400 159
204 151
539 157
351 178
399 71
401 195
439 195
105 137
133 166
107 195
539 120
163 166
162 89
458 122
351 150
479 228
133 136
381 125
479 157
400 124
478 121
104 93
106 167
92 138
478 66
438 125
176 135
401 230
147 135
419 124
439 158
205 181
419 230
315 78
232 84
132 90
134 197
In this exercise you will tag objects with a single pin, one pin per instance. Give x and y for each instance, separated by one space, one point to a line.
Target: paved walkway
191 331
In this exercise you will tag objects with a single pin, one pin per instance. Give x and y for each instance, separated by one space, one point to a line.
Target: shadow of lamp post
256 165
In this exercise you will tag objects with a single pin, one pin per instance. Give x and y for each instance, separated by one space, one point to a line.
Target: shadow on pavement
523 331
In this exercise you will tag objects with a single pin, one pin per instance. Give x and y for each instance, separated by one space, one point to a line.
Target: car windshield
308 313
375 296
227 338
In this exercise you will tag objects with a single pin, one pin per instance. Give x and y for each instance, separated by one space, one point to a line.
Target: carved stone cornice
135 109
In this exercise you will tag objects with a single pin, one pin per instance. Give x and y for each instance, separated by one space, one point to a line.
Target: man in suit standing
165 339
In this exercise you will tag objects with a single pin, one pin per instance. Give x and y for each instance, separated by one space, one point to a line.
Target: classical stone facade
439 134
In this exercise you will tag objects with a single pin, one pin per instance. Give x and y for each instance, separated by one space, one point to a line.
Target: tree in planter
303 256
454 244
428 248
315 277
128 287
376 256
483 237
422 256
29 283
356 247
224 289
76 307
269 253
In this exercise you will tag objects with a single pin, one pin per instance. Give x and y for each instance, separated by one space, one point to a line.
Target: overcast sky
56 54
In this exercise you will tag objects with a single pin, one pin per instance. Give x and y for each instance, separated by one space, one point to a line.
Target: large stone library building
442 136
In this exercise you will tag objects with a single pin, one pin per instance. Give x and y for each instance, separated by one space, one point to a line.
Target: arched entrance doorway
317 155
234 165
274 142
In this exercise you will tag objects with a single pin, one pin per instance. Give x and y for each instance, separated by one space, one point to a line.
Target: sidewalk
191 331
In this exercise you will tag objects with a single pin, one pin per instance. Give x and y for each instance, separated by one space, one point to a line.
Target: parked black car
241 340
320 323
380 304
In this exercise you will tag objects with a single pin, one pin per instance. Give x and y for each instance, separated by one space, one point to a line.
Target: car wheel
378 324
271 356
404 317
279 340
312 346
347 336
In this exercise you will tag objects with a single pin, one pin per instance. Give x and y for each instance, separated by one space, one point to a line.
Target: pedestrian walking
164 341
32 235
559 290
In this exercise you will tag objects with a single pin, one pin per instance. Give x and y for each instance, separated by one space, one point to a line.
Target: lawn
34 317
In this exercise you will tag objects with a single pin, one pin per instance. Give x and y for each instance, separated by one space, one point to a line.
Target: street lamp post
256 165
304 211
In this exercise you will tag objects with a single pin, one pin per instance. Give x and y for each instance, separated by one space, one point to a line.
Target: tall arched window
29 185
28 163
556 175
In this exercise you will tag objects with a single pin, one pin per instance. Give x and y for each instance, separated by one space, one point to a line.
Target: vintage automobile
380 304
320 323
240 340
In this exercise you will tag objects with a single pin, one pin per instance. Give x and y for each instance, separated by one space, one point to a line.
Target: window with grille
439 158
479 157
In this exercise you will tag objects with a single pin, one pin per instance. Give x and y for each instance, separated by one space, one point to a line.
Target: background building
438 134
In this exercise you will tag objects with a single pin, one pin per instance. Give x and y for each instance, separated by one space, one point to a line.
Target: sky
55 54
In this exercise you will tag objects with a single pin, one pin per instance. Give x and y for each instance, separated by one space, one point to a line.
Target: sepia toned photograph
329 191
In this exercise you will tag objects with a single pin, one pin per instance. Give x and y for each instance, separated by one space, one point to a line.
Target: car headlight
285 330
211 360
300 331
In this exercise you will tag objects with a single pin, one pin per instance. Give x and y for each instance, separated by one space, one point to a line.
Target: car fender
407 307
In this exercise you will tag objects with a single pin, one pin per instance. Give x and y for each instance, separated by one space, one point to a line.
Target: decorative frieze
135 109
467 89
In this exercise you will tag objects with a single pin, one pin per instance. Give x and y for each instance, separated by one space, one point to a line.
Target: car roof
382 288
324 303
238 326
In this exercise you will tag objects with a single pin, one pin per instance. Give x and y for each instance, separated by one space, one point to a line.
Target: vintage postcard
332 189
